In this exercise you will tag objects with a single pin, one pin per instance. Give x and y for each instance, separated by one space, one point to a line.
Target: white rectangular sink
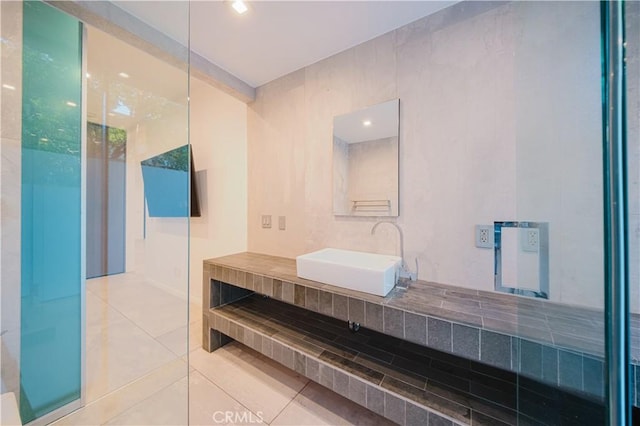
371 273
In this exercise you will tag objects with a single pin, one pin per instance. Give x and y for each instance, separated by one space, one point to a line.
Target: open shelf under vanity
405 382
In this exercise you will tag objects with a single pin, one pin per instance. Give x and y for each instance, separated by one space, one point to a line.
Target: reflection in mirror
365 161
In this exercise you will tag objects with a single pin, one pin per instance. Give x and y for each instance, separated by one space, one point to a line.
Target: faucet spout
373 231
404 270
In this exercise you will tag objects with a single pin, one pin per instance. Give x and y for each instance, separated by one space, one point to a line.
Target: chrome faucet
405 272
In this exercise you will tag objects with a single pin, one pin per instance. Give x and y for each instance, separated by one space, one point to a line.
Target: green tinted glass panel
50 355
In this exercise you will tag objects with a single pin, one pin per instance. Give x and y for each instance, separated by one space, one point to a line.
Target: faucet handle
405 272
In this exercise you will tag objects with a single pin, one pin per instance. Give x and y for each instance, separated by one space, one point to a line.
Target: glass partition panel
137 225
51 211
557 113
81 111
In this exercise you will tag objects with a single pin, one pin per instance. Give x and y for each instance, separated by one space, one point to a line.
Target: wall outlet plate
484 236
530 239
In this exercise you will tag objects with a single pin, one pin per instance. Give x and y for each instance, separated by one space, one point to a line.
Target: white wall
218 133
157 248
500 120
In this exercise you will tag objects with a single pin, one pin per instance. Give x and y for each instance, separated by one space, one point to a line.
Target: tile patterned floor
137 370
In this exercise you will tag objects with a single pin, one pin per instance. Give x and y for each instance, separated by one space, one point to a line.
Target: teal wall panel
51 314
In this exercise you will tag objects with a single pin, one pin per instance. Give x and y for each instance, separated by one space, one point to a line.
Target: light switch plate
266 221
282 223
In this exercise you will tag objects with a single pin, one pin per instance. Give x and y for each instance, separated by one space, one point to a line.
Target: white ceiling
382 123
275 38
121 102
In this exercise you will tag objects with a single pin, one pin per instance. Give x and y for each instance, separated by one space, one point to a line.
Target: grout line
135 324
223 391
113 393
292 399
152 395
145 376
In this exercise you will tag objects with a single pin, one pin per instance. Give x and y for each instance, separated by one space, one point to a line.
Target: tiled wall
491 93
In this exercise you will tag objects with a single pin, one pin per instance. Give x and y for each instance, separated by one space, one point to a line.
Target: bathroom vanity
425 354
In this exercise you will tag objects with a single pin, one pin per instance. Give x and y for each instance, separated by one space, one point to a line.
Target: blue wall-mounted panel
169 184
51 314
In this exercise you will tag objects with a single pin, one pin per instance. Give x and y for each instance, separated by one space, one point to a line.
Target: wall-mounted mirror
365 161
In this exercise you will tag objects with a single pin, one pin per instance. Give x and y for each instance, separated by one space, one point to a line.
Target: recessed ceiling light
44 140
8 86
71 104
239 6
123 75
366 123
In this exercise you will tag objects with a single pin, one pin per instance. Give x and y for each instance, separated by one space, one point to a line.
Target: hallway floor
136 369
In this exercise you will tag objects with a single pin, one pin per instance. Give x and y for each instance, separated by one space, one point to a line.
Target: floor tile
166 407
195 335
119 401
210 405
258 383
175 340
137 367
152 308
316 405
118 352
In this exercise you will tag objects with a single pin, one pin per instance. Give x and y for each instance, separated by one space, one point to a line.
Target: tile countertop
560 325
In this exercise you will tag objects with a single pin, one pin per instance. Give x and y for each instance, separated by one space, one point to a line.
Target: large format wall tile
491 94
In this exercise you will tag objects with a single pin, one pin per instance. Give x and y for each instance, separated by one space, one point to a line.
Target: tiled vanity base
439 317
423 316
407 383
